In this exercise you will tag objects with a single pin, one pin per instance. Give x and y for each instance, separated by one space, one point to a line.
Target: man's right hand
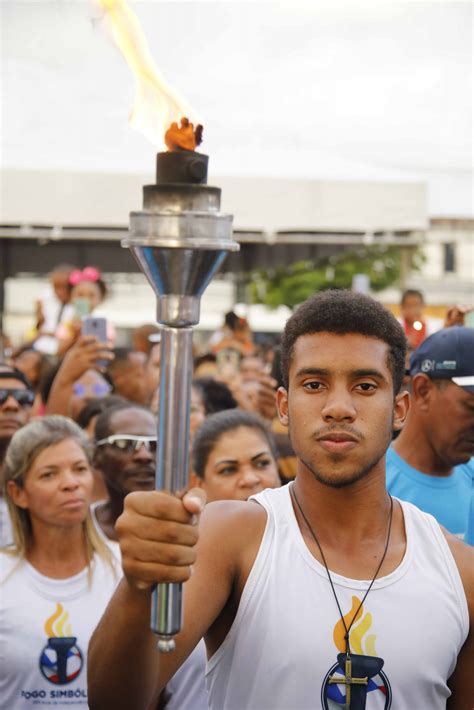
158 533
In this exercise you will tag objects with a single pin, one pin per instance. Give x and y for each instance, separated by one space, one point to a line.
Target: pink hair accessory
89 273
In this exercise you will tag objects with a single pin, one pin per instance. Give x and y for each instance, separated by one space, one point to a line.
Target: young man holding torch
325 593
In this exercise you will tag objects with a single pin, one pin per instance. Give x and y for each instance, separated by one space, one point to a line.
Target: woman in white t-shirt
58 576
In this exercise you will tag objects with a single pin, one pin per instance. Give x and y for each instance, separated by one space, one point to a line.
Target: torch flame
357 642
55 626
156 105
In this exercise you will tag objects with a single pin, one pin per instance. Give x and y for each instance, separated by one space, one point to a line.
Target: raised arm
158 539
81 357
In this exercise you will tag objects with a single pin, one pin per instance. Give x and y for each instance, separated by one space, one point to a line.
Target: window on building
449 258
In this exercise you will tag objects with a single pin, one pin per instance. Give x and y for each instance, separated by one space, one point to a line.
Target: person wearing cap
16 399
430 464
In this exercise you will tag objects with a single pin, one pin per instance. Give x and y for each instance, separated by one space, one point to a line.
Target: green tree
290 285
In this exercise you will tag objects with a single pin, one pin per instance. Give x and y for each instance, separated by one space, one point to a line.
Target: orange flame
156 105
56 624
356 637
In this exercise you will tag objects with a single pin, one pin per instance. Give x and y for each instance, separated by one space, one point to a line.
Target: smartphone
92 325
81 308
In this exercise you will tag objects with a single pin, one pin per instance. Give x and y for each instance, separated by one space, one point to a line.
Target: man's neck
357 511
351 524
413 446
107 514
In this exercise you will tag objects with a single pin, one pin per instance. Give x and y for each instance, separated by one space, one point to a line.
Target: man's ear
422 390
282 405
401 409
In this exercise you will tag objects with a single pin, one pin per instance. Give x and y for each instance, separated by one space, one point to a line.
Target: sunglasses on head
129 443
24 398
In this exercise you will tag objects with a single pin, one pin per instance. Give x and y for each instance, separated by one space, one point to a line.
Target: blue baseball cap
447 355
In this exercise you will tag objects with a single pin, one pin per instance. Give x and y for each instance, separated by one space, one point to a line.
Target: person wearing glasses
125 454
16 400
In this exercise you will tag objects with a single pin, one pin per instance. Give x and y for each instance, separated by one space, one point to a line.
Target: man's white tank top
282 648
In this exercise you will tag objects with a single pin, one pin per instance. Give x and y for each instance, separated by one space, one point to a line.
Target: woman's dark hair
216 396
343 312
219 424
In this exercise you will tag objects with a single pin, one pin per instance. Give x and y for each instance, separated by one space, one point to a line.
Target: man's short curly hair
342 312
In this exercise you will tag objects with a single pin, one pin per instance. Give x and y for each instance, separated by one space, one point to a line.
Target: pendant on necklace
356 671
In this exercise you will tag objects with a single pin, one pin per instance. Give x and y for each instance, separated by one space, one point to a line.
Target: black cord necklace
348 681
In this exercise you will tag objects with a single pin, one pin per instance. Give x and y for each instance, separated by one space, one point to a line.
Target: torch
179 240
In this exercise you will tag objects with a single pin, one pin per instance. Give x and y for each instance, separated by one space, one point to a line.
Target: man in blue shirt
430 463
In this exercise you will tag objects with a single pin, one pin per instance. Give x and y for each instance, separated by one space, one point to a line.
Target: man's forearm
60 396
123 661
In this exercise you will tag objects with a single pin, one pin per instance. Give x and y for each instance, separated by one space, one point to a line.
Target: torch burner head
180 238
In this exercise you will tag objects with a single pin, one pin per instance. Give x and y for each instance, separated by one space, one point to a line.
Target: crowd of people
329 520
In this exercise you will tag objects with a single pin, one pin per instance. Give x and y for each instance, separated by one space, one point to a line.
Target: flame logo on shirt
61 660
359 644
57 624
376 691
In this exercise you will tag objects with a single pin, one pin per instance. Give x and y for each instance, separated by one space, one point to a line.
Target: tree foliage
290 285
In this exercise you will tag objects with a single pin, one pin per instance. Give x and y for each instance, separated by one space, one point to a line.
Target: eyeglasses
24 398
129 443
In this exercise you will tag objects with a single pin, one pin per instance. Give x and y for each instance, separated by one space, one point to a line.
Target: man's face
449 422
340 406
125 472
412 308
13 415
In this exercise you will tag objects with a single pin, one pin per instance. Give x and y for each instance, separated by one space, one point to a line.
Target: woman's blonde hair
25 446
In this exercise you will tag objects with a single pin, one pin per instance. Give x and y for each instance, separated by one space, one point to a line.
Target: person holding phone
88 290
79 378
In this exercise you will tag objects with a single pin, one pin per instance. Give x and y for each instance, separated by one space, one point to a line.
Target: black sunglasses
129 443
25 398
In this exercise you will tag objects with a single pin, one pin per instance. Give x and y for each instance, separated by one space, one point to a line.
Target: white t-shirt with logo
45 627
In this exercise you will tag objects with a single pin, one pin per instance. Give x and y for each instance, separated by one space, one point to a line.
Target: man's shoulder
226 515
464 558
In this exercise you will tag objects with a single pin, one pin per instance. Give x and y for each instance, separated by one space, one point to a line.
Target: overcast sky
348 90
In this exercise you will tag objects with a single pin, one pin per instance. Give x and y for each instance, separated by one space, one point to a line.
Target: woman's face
57 488
240 465
89 291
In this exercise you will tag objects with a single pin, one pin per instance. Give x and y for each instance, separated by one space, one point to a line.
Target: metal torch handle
172 461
